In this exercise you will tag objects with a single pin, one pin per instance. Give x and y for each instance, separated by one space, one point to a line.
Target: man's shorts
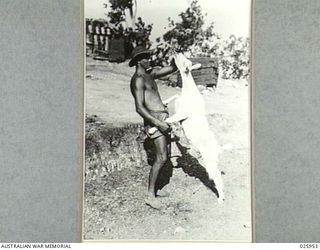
160 115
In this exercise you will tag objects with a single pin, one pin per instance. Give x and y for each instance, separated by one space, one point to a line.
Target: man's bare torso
152 99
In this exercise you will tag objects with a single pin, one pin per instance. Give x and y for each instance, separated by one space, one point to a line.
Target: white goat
190 111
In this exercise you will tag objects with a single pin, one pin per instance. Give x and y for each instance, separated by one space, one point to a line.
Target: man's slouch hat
139 53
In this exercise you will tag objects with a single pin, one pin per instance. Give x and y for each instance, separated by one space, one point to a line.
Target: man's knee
162 157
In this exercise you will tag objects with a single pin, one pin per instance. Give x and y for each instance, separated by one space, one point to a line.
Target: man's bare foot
153 202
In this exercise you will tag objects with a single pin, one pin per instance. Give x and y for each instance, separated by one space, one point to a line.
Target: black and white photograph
167 121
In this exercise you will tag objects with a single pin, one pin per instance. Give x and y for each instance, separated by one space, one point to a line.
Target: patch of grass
109 150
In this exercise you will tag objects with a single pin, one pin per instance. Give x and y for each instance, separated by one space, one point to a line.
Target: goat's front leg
176 118
172 119
196 66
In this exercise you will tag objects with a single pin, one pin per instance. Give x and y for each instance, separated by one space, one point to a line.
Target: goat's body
190 110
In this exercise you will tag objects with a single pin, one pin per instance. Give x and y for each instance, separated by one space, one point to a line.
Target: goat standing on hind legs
190 111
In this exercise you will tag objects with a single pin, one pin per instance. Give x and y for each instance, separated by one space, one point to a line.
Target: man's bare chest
150 84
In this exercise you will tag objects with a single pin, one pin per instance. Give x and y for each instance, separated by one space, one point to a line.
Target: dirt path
114 208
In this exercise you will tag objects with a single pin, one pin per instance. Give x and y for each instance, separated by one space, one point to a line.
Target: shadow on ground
187 162
191 166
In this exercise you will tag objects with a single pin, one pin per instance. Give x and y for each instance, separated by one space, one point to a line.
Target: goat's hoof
221 199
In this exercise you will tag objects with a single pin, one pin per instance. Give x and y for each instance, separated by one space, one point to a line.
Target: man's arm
165 70
137 89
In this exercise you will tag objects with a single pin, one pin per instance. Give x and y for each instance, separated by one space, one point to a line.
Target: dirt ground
114 207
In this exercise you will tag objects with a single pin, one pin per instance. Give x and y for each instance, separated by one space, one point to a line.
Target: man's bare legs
161 150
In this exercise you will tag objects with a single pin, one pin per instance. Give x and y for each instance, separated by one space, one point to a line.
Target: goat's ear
196 66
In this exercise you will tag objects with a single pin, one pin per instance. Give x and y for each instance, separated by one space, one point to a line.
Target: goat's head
184 64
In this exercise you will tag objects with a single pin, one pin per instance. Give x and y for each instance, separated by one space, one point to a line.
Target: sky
229 16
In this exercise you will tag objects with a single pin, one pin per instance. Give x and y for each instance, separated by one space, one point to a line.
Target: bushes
189 36
234 58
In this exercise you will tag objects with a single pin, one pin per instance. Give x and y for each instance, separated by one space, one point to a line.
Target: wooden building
207 75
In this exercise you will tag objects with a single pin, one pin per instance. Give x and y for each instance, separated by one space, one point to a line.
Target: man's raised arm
165 70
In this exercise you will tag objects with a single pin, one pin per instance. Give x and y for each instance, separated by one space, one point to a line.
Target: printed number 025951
308 245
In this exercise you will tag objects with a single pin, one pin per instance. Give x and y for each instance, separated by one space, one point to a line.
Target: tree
118 11
188 31
134 33
188 35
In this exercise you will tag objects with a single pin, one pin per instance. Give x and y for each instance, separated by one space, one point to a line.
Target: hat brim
139 56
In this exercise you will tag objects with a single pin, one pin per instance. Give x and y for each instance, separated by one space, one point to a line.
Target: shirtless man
150 107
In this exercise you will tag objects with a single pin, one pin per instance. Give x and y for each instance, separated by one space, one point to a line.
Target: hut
117 50
96 34
112 42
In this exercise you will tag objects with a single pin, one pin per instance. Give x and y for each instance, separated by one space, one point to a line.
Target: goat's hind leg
210 159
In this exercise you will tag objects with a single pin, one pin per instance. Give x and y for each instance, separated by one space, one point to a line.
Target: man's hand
164 127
